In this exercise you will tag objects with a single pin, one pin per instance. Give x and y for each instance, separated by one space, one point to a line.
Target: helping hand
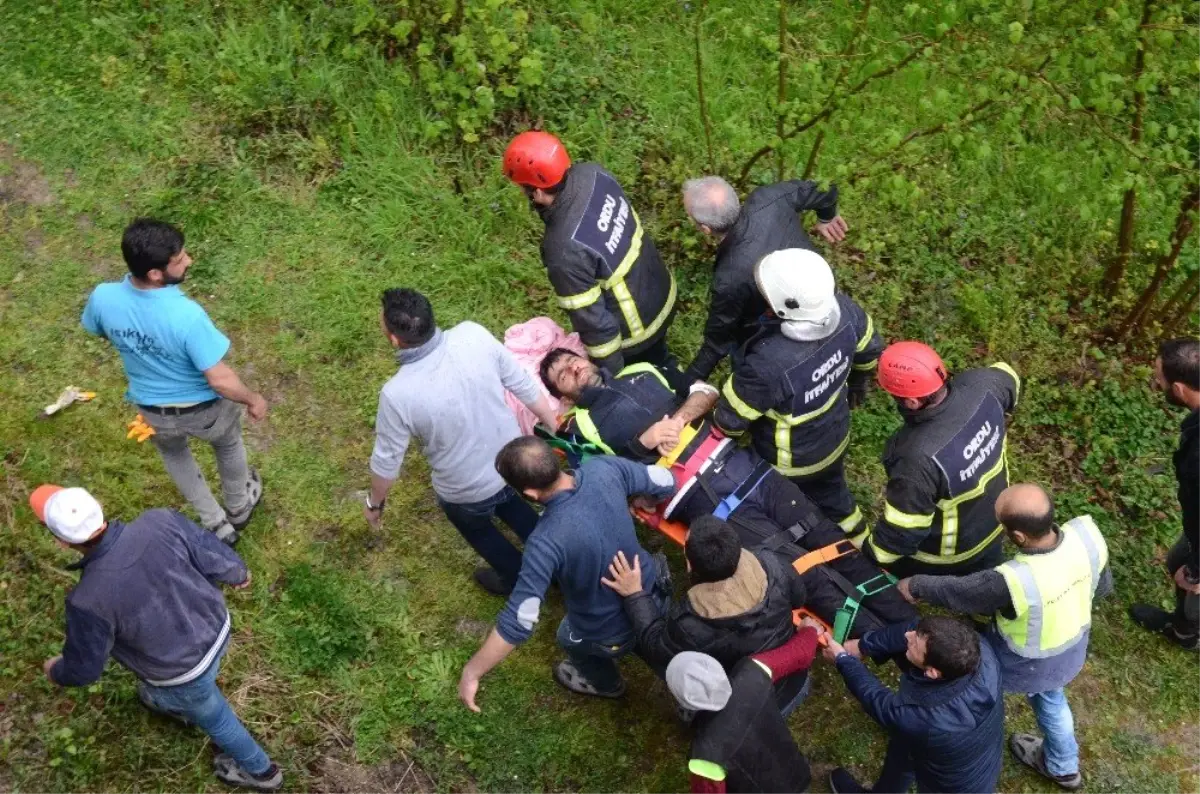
831 650
468 687
48 665
257 407
1185 584
626 579
902 587
834 231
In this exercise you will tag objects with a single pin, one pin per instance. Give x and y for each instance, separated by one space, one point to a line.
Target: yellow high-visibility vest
1052 592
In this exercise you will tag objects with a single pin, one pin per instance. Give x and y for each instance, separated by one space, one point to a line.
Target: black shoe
228 771
1030 751
1162 622
842 782
254 490
568 675
487 578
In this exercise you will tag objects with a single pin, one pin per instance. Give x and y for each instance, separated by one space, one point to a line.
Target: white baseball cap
72 514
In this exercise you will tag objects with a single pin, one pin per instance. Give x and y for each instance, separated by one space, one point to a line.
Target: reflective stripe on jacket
1052 592
945 468
791 395
604 267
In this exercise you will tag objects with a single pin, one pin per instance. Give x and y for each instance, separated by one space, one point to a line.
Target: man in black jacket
795 381
600 260
946 466
769 221
1177 373
740 603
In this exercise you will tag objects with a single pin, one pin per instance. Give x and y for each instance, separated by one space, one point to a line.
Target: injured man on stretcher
628 413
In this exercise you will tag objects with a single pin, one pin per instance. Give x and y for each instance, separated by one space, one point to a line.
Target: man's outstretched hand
834 231
626 579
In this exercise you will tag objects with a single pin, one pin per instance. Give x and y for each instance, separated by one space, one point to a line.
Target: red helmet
911 369
536 159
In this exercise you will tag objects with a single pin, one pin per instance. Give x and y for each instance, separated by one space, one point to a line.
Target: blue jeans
200 702
474 522
596 659
1058 726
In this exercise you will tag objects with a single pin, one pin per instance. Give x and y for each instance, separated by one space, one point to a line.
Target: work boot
842 782
568 675
1162 622
1029 750
487 578
254 493
228 772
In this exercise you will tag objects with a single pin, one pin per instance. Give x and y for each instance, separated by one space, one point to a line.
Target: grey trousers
220 424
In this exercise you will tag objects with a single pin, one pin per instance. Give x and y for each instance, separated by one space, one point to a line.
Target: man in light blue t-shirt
174 360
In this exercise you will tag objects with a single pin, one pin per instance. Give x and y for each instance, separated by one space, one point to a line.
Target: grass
347 652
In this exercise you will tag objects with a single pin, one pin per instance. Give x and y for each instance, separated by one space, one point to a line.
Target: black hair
951 646
408 316
1031 523
712 549
148 245
1181 362
552 358
528 462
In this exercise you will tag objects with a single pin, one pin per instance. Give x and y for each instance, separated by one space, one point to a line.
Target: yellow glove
139 429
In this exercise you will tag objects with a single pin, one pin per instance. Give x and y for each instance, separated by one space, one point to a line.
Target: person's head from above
712 204
154 253
943 648
913 373
407 318
1177 372
72 515
799 287
537 162
566 373
1027 513
712 550
698 682
530 466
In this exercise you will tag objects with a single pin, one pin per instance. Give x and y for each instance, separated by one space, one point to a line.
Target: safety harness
693 469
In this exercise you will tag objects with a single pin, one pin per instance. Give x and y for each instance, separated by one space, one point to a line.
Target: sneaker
254 490
228 772
1028 750
568 675
487 578
225 533
842 782
1162 622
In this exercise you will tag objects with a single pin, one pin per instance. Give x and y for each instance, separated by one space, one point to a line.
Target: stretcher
574 452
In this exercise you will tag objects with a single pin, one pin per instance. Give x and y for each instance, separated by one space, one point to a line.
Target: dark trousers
897 776
596 659
474 522
827 488
1187 606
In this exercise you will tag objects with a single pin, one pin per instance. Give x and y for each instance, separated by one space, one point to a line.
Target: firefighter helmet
911 369
536 159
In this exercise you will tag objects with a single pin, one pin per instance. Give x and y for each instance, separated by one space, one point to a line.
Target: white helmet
799 287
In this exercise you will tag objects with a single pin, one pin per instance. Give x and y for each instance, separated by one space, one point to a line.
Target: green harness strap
844 619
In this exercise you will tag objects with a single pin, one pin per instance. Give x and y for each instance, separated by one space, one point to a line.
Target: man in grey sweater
449 395
1041 603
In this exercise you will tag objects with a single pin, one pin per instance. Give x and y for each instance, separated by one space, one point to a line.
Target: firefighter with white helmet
795 380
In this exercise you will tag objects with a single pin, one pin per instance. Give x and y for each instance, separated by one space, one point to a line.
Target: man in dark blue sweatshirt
585 524
946 724
148 595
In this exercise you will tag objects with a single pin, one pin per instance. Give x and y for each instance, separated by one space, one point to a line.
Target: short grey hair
711 201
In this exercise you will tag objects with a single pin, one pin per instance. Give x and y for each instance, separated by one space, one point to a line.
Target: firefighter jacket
791 395
613 416
946 466
604 267
769 221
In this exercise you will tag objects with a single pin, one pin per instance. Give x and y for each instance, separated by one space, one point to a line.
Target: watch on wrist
375 508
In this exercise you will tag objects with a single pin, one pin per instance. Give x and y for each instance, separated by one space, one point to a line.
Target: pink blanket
530 341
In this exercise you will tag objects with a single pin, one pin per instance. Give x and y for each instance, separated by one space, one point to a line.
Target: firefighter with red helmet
600 260
945 466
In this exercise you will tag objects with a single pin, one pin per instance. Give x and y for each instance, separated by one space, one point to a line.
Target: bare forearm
698 404
380 487
493 651
545 414
225 382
